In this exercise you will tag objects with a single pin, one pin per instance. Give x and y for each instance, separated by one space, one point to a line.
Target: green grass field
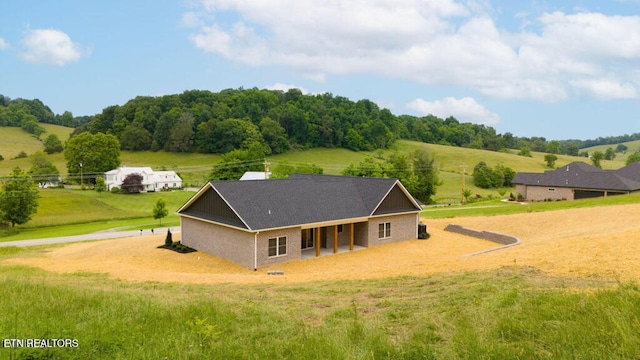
511 313
64 212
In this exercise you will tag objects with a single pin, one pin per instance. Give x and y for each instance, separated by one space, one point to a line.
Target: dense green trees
18 199
14 111
609 154
551 160
236 162
284 169
596 158
135 138
210 122
416 171
486 177
635 157
91 155
52 144
235 118
42 170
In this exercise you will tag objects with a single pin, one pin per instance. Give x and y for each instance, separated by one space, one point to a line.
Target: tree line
28 113
277 121
219 122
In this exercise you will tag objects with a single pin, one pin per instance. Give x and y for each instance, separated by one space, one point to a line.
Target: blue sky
558 69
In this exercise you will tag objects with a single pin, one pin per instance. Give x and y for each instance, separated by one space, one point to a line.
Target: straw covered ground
600 241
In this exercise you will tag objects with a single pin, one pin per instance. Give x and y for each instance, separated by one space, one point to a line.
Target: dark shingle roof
584 176
301 199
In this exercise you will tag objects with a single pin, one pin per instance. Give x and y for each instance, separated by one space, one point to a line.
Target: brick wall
403 227
228 243
237 245
294 238
539 193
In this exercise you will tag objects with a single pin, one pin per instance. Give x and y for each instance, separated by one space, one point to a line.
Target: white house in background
151 180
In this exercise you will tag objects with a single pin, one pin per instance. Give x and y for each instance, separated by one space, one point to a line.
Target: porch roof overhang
334 222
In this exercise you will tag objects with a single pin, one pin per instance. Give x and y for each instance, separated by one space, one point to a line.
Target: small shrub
115 190
21 155
169 239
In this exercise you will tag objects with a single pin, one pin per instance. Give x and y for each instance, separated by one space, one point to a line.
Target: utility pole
266 169
81 182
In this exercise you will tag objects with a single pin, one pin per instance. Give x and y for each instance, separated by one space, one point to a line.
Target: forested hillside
25 113
209 122
274 121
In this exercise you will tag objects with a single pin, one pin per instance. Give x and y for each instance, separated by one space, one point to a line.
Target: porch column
351 237
335 239
318 242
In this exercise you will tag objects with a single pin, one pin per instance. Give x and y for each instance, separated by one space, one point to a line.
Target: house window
307 239
384 230
278 246
340 228
552 189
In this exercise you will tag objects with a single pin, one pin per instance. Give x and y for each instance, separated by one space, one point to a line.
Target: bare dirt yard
602 241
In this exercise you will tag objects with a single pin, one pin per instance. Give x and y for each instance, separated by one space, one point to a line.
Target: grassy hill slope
71 207
632 147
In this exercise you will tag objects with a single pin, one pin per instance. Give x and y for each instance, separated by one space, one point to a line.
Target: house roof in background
581 175
255 175
130 170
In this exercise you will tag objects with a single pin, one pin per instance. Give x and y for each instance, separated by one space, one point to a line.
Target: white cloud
50 46
555 56
191 20
465 109
3 44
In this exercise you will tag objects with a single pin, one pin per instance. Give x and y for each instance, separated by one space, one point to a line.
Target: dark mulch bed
179 248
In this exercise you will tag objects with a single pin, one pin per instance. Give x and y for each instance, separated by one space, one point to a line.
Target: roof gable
395 201
209 205
300 200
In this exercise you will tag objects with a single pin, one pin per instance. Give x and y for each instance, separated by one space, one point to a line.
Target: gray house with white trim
258 223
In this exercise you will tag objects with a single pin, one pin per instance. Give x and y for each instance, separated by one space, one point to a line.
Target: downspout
255 251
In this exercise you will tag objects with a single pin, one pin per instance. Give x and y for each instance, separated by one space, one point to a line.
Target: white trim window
384 230
278 246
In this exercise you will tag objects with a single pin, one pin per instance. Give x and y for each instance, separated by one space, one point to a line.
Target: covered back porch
329 239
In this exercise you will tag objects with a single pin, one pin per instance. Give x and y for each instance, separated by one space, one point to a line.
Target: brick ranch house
258 223
578 180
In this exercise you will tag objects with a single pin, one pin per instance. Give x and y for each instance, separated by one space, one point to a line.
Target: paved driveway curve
102 235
